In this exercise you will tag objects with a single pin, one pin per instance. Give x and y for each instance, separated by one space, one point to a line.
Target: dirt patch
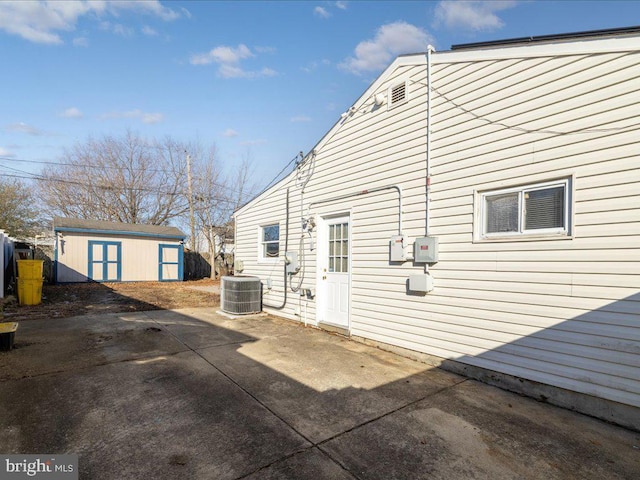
60 301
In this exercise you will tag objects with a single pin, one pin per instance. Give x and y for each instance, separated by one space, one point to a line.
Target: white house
476 208
91 250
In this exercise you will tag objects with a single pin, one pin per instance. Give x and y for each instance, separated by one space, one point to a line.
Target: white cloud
145 117
267 72
228 60
22 127
300 119
313 66
72 112
223 55
117 29
321 12
150 32
42 22
6 153
81 42
263 49
254 142
471 14
152 117
230 133
341 5
391 40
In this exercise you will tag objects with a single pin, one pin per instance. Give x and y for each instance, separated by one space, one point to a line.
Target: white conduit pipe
430 49
365 192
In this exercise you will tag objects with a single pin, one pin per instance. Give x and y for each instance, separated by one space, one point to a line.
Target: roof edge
607 32
117 232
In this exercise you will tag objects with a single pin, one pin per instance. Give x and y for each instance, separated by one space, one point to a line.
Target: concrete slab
323 385
193 327
193 394
163 418
477 431
311 463
48 346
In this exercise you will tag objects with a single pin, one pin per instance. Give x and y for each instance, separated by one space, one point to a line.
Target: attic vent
398 94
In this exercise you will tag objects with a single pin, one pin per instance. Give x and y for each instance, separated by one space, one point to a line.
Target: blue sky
260 80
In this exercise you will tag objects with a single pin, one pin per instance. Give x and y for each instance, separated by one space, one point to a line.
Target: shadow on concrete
194 394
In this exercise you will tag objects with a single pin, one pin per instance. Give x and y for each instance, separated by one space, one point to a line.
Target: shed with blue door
99 251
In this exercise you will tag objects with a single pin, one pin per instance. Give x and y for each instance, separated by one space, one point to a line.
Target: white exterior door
335 265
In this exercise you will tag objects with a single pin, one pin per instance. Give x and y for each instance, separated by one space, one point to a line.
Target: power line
278 175
77 165
109 188
105 167
527 130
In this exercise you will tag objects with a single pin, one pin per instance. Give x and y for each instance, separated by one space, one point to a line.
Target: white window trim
566 232
261 243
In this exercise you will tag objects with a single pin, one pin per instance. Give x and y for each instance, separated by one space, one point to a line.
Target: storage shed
478 209
98 251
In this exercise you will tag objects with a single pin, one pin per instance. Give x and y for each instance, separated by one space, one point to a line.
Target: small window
339 248
270 241
529 210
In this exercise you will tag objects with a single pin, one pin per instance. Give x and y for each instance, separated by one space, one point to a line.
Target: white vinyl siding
563 310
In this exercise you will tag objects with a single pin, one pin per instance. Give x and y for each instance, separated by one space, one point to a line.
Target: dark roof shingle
75 224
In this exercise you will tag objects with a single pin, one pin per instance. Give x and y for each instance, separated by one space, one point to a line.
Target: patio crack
319 445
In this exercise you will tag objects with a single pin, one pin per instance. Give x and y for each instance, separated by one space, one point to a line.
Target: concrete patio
194 394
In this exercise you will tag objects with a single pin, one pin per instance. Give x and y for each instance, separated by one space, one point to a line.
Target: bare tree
217 196
19 216
125 179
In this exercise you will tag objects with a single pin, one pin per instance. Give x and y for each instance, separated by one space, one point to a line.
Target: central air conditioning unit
241 295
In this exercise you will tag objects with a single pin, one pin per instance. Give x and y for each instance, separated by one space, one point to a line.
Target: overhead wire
38 176
528 130
275 179
77 165
102 187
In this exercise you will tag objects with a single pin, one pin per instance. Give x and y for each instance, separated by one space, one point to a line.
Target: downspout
430 49
286 249
427 226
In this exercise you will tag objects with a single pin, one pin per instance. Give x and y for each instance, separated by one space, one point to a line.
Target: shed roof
65 224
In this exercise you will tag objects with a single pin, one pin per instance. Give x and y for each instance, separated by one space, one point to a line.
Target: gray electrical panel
291 260
425 250
397 252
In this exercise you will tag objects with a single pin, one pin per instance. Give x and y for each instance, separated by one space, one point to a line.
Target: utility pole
192 219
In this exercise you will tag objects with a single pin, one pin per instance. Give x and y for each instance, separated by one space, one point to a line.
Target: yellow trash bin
30 269
29 291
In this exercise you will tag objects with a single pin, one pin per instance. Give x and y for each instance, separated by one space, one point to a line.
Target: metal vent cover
398 93
241 295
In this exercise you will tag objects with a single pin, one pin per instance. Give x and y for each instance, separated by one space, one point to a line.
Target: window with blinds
528 210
